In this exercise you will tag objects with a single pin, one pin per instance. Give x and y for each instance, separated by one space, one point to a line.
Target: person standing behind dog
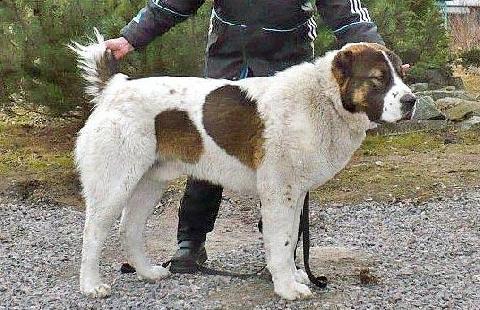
246 38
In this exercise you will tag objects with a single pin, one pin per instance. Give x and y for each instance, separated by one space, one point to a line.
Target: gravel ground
400 255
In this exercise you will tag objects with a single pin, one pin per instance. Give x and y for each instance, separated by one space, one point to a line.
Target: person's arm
156 18
349 20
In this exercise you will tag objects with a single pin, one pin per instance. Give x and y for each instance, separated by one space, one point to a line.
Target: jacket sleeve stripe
157 3
312 29
356 8
350 25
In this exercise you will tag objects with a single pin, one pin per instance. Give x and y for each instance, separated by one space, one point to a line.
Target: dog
274 137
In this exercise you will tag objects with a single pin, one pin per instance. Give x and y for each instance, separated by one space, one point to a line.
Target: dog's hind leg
279 209
99 217
145 197
101 211
111 163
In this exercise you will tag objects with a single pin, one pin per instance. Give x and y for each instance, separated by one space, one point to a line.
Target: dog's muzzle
408 106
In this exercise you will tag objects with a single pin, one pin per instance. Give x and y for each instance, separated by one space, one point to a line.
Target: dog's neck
307 99
323 93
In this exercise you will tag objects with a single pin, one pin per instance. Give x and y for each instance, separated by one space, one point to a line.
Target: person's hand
405 69
119 47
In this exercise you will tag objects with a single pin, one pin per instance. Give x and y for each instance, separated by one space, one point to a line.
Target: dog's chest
333 157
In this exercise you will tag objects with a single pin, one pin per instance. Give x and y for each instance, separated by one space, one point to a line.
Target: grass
38 158
401 144
411 166
31 150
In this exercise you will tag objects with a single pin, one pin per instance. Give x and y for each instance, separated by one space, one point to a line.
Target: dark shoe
189 255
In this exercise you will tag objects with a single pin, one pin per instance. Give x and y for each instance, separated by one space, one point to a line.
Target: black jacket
256 37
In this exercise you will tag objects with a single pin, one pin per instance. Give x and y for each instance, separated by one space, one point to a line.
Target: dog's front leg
279 212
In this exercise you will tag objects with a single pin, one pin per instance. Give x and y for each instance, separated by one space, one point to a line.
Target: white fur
392 108
309 137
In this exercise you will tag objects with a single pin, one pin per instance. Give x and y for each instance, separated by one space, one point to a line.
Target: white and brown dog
275 137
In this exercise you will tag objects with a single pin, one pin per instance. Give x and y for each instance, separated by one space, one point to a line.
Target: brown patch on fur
359 96
233 122
107 66
177 136
364 77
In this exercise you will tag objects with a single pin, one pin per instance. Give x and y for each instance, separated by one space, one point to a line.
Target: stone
442 93
474 121
425 109
450 88
437 77
448 102
419 87
463 110
458 82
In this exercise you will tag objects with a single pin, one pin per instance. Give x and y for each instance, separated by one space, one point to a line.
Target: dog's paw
153 274
97 291
293 290
301 277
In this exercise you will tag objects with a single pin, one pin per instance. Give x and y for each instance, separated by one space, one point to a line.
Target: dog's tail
96 63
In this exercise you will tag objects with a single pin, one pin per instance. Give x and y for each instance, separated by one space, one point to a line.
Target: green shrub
36 65
415 30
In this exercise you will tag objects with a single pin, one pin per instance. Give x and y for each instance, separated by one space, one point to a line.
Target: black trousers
198 210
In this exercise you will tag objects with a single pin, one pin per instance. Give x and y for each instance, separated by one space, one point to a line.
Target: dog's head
370 81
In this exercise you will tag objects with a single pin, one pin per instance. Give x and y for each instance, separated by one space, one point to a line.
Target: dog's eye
376 80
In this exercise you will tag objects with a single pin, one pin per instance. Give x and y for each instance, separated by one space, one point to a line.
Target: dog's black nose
408 102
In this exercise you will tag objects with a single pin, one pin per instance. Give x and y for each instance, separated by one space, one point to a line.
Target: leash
127 268
215 272
320 282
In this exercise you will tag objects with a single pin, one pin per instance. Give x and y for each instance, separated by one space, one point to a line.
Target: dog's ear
342 65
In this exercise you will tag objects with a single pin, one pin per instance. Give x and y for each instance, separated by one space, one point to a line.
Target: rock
438 78
450 88
458 82
448 102
474 121
463 110
442 93
425 109
419 87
